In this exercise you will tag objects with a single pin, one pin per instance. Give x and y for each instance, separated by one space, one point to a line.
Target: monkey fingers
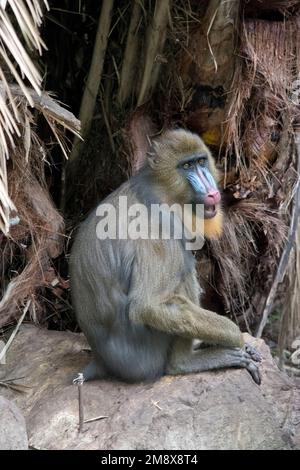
253 352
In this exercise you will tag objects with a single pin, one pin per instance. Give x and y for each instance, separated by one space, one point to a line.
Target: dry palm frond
37 235
12 385
89 97
56 116
12 336
260 89
18 20
235 253
36 229
290 321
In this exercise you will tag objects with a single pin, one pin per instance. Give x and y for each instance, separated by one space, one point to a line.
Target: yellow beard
213 227
209 228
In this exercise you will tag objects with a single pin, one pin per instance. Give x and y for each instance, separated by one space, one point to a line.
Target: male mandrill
137 300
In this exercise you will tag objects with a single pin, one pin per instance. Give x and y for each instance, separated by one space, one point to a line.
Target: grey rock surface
211 410
13 435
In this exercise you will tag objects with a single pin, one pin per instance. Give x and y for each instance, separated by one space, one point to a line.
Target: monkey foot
253 353
246 360
254 372
251 366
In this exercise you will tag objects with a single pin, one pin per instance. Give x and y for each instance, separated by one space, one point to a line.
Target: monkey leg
183 359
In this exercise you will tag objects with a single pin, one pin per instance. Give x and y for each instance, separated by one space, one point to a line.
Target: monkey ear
152 155
152 161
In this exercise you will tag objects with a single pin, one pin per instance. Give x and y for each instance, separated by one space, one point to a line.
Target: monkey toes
253 353
254 372
246 360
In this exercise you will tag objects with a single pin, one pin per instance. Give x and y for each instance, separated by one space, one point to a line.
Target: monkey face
195 169
186 173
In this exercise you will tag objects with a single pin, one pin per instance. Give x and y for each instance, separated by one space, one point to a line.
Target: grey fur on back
100 273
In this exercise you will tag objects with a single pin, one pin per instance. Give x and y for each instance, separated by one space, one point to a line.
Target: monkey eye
201 161
186 166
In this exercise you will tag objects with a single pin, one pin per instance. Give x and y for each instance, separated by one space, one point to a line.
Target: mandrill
138 299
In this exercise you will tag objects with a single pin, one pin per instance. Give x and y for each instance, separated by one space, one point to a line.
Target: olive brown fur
138 301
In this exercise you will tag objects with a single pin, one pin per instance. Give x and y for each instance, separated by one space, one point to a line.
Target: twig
7 381
156 404
12 336
79 382
156 35
47 105
215 58
91 420
10 383
130 56
94 77
284 260
108 128
208 41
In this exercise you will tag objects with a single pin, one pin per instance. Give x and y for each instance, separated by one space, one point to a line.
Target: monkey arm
178 316
152 299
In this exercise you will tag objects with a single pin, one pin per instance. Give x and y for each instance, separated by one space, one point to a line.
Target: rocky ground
211 410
